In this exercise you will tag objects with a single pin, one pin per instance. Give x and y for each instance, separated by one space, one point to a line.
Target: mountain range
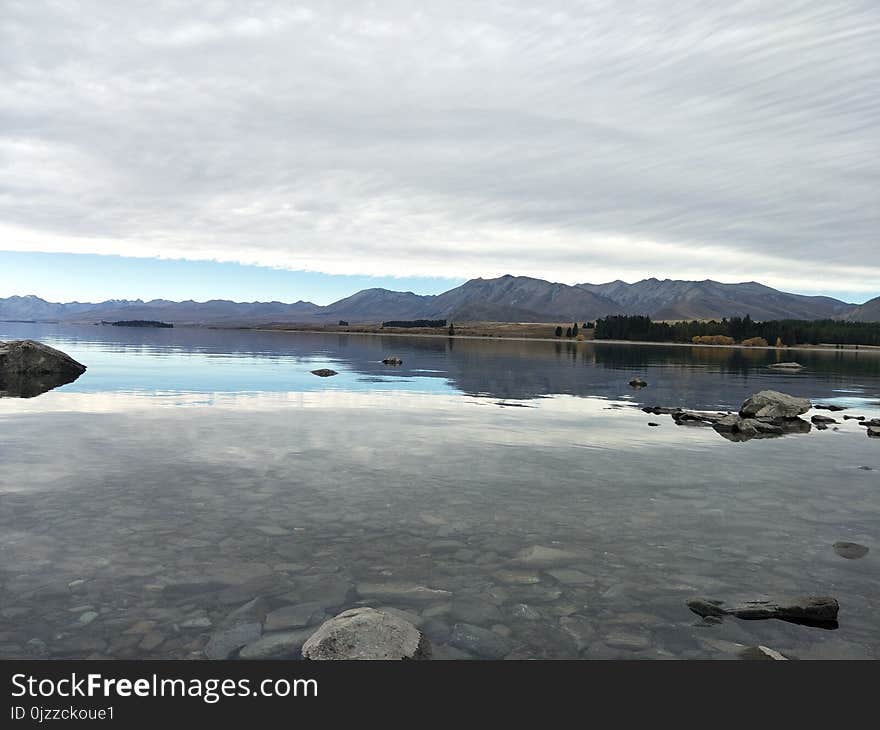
504 299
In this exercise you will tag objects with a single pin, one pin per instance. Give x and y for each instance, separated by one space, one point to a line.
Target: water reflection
187 474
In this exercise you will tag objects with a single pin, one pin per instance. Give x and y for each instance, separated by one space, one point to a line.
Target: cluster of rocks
29 368
765 414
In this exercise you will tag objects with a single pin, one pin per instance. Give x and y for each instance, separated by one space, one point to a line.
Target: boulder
773 404
817 610
873 431
324 373
29 368
366 633
392 361
638 383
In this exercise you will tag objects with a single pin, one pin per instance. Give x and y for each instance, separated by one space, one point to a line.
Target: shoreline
873 349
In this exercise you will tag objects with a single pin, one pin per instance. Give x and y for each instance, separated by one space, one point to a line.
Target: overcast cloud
572 141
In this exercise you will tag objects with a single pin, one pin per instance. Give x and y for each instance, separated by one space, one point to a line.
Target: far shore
872 349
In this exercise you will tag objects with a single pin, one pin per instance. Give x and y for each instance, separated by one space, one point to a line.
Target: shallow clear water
189 471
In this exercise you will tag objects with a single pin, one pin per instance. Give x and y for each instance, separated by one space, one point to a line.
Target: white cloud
687 139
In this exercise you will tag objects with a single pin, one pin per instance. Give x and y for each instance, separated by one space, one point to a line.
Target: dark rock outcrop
324 373
392 361
818 611
29 368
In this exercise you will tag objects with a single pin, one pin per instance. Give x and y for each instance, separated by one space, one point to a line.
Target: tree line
774 332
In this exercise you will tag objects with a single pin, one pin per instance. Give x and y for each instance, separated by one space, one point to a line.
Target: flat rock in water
773 404
540 555
873 431
277 645
786 366
404 592
850 550
226 642
638 383
822 419
295 617
818 610
479 641
324 372
365 633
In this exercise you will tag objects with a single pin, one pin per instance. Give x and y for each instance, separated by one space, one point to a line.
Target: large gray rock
773 404
366 633
29 368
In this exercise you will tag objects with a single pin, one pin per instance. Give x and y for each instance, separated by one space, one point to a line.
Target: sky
271 150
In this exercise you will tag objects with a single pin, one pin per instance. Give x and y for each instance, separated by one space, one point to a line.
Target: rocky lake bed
201 521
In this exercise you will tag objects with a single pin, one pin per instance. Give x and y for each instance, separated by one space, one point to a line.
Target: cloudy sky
436 141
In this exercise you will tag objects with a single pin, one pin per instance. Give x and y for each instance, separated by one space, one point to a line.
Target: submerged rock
638 383
365 633
874 431
816 610
773 404
226 642
392 361
480 642
786 366
324 372
403 592
277 645
850 550
29 368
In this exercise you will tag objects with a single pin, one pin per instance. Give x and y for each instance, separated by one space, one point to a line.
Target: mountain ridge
503 299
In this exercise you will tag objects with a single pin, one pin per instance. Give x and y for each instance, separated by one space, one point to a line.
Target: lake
508 497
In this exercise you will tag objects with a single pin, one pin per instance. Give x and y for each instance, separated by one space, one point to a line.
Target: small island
139 323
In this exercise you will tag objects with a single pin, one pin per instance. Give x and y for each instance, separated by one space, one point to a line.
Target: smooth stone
277 645
474 611
294 617
406 592
578 628
87 618
850 550
254 611
517 577
226 642
571 577
365 633
202 622
525 612
540 555
479 641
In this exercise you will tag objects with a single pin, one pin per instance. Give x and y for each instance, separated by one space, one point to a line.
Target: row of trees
779 331
574 330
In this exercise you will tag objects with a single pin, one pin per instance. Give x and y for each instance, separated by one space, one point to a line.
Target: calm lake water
509 497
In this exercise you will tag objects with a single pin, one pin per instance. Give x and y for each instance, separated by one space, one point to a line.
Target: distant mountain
505 299
519 299
215 312
674 299
376 305
867 312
